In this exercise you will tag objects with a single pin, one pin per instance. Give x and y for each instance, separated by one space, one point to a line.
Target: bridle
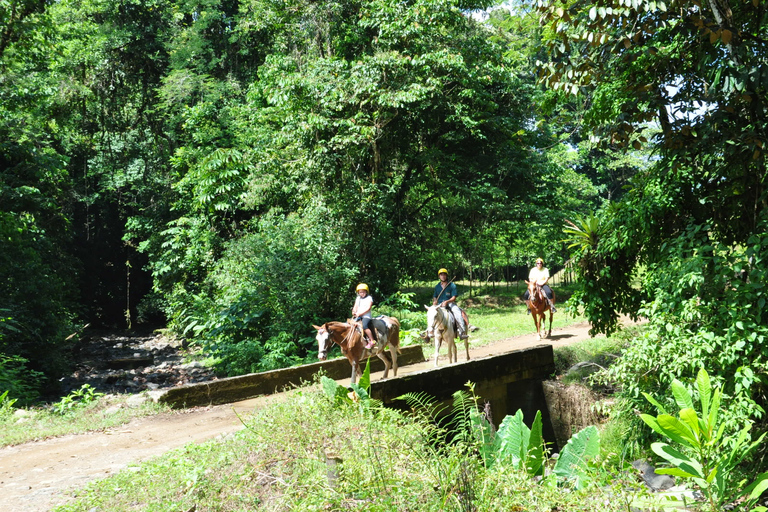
536 295
330 339
323 352
439 320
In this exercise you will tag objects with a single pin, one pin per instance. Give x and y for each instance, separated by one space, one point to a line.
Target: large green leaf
677 430
572 462
705 391
513 436
681 394
534 461
680 460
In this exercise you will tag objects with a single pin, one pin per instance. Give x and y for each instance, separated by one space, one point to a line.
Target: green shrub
704 452
18 381
77 399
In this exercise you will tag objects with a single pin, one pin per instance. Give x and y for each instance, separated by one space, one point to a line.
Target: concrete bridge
508 381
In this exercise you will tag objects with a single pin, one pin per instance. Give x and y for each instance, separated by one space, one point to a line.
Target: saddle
380 327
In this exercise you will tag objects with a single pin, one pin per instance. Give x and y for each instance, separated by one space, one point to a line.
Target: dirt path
34 476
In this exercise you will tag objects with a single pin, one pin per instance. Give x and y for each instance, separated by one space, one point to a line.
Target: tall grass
304 454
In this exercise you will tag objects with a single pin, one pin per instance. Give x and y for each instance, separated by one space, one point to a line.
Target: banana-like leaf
705 391
690 418
534 461
655 403
714 407
333 390
678 459
572 463
514 437
681 394
365 380
676 430
758 487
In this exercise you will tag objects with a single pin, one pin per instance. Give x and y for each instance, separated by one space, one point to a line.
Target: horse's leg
550 324
452 348
466 346
353 379
393 353
438 342
383 357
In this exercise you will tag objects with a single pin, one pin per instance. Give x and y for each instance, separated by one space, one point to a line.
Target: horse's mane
445 316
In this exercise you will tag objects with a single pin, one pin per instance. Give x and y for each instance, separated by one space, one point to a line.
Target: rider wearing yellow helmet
362 311
445 294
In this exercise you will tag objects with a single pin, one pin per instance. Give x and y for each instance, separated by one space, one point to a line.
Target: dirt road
34 476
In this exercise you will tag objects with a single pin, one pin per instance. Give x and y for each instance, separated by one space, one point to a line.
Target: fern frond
424 405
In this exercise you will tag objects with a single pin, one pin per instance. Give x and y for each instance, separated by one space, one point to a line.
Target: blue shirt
444 294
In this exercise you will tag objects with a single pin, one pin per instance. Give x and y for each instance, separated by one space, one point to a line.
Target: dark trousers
547 292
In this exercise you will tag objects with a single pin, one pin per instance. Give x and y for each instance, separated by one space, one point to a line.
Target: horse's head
534 290
434 317
324 341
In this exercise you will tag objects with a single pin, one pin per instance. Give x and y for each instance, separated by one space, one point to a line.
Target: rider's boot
551 306
529 306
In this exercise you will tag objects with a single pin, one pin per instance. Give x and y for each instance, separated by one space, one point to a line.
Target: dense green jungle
231 170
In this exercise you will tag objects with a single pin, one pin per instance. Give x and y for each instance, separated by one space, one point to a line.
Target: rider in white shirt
362 311
540 274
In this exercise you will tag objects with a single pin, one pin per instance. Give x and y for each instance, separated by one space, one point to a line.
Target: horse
539 307
348 336
440 324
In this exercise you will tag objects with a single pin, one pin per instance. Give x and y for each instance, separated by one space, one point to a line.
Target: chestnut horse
539 307
347 336
440 325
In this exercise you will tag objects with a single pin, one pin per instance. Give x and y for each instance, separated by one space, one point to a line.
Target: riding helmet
442 271
361 286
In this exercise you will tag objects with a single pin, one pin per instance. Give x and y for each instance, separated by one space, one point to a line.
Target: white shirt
362 304
539 276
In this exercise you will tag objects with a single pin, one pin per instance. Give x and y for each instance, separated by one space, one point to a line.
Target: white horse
440 325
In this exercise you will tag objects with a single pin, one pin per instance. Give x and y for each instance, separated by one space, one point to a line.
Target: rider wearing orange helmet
445 295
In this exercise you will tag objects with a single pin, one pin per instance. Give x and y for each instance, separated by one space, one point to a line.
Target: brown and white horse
347 336
539 307
440 325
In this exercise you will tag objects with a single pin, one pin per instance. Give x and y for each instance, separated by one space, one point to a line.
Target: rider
540 274
362 311
445 295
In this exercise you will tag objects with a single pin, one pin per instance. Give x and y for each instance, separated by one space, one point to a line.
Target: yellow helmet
442 271
361 286
540 260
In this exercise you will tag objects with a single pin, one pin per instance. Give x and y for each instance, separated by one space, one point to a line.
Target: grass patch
33 424
306 454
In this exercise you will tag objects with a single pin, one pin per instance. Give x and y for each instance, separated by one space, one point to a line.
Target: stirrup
370 344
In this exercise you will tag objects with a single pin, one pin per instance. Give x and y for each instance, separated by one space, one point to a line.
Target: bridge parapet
508 381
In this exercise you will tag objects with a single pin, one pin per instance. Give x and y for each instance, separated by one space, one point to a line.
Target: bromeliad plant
707 456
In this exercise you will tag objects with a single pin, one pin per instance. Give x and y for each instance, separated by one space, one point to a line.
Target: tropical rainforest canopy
234 168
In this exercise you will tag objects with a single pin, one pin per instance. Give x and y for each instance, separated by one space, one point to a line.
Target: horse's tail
394 332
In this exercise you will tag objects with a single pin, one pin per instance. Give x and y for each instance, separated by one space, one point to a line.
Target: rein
348 337
439 319
445 288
